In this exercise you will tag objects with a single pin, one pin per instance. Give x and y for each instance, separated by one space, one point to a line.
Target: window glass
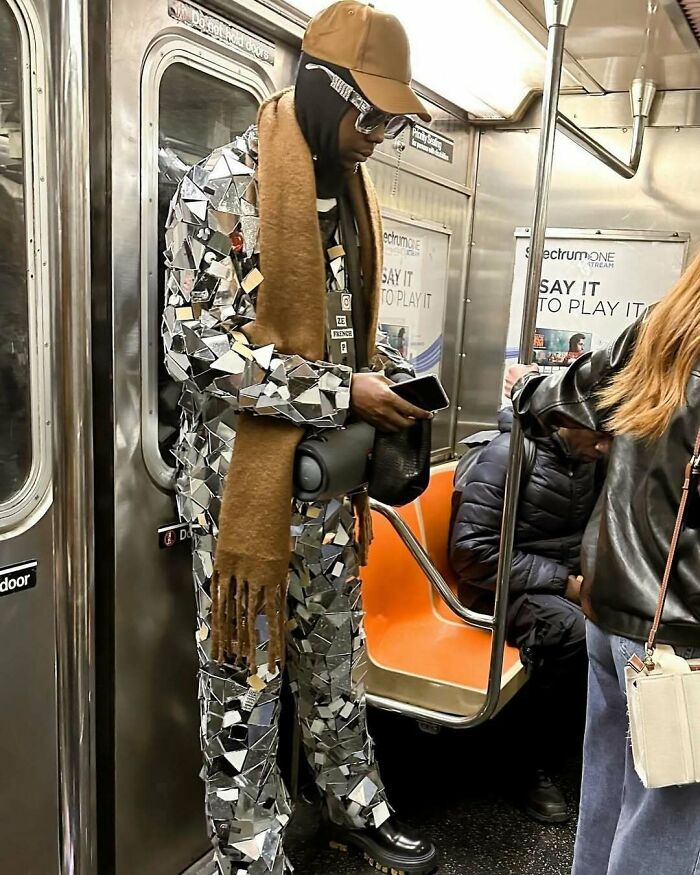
15 419
197 113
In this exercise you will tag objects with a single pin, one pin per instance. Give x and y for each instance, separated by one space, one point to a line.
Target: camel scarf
253 546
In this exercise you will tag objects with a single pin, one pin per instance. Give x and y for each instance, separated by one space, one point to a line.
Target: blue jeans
623 828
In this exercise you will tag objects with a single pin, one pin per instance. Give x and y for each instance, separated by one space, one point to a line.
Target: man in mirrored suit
273 252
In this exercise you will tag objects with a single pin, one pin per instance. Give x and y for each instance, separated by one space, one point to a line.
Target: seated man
558 493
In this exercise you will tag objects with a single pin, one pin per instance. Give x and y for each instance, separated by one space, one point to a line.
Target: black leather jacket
626 543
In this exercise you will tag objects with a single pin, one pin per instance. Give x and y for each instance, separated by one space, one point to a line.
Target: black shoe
544 801
389 848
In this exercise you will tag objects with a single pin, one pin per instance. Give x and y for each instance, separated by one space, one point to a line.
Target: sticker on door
17 578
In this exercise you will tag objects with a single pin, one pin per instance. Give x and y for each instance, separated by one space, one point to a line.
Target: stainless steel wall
663 196
431 190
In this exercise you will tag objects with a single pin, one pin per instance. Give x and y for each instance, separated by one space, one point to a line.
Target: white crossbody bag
663 690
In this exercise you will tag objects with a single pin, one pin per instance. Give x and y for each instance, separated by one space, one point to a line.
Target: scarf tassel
236 603
238 599
365 532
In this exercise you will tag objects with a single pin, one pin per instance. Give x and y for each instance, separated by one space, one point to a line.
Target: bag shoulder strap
358 315
691 470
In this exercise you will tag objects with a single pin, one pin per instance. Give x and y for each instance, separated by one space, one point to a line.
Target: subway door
193 96
29 843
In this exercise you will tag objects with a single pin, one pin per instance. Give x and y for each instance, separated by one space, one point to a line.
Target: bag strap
691 470
358 315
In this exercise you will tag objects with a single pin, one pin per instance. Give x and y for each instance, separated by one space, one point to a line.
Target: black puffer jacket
554 507
625 551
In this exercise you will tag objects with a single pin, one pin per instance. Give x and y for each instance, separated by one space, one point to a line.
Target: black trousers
550 633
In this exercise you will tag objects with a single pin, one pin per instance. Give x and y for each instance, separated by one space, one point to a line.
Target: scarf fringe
237 601
239 597
365 532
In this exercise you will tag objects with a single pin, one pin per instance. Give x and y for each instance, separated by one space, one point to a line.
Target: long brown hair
644 394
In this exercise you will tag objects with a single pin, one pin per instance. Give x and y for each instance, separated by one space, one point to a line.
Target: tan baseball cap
373 46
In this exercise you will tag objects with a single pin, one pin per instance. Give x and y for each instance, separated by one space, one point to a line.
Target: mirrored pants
246 801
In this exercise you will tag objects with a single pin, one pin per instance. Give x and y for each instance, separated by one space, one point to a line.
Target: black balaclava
319 111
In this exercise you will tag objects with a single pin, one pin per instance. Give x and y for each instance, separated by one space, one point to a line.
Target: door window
15 401
197 113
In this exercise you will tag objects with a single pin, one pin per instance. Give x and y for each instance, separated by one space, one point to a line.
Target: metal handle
73 488
472 618
642 94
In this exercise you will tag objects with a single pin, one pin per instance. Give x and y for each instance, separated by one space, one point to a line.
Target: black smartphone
425 392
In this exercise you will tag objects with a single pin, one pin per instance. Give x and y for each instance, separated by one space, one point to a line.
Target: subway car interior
560 160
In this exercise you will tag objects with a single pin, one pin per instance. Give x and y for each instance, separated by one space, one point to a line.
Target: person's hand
513 374
586 603
573 588
372 399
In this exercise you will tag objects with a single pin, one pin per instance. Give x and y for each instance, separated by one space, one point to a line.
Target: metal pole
73 485
558 17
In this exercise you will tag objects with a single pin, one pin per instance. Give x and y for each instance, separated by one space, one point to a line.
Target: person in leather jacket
645 390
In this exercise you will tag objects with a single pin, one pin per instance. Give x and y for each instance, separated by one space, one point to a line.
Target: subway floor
458 788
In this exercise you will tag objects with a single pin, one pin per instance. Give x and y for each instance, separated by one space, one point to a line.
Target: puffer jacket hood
556 502
505 419
553 443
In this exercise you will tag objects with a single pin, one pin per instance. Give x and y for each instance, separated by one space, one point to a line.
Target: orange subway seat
419 651
435 509
388 585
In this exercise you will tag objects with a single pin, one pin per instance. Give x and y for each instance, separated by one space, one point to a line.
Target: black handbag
400 469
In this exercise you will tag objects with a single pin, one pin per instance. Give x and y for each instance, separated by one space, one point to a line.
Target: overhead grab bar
482 621
642 94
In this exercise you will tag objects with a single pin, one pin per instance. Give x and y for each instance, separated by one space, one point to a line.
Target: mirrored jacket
212 278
